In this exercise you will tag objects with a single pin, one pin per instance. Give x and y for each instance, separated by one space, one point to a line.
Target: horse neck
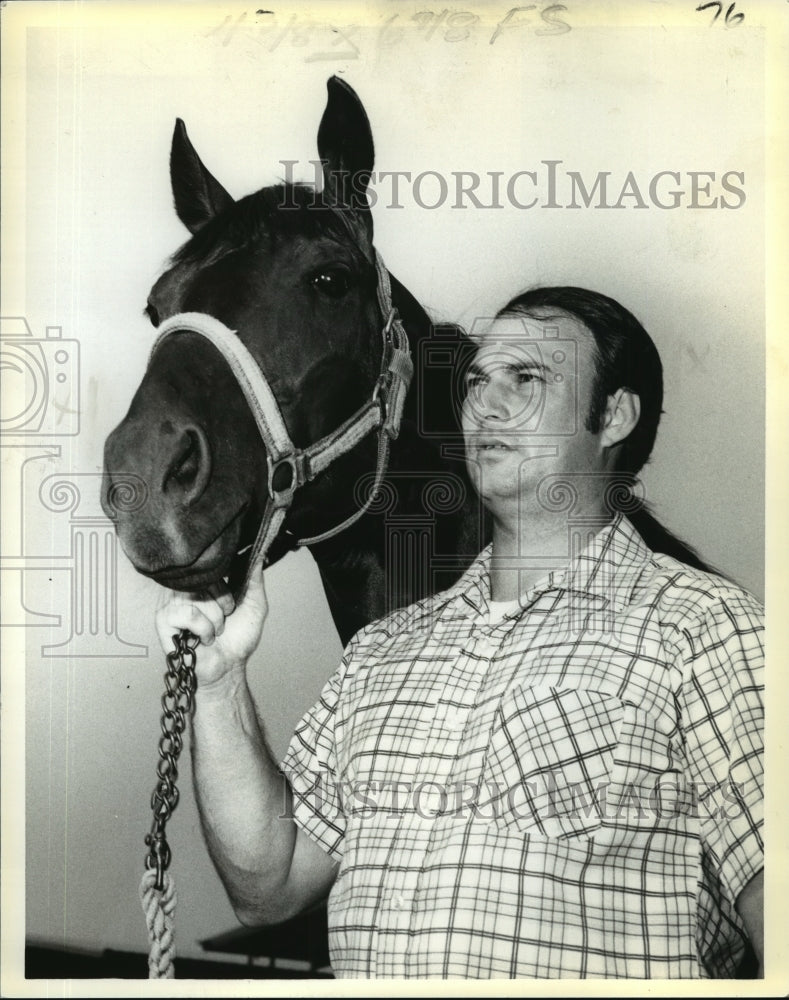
420 330
435 464
354 566
415 320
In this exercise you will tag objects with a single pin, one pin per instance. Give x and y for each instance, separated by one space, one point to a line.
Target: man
551 769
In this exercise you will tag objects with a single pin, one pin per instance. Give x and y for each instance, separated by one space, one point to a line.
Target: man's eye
333 282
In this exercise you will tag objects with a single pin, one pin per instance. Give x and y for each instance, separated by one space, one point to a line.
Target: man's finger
178 615
223 597
256 591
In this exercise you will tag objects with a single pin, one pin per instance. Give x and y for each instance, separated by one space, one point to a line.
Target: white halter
383 412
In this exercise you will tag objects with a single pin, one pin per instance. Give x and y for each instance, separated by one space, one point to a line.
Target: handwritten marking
435 27
729 20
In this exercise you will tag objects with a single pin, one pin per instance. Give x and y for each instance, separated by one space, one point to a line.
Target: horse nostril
188 471
185 466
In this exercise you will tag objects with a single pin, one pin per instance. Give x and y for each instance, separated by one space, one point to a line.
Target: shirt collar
608 568
611 565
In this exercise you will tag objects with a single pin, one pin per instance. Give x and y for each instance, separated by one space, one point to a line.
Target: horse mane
658 538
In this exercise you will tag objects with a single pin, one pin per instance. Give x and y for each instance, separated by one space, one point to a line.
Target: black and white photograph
394 400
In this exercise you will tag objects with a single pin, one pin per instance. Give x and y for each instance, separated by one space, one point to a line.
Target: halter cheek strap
290 467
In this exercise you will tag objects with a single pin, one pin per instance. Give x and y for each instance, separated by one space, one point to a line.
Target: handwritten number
730 18
389 36
706 6
229 26
427 19
459 25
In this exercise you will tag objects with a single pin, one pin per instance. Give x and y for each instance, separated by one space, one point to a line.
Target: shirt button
454 721
399 901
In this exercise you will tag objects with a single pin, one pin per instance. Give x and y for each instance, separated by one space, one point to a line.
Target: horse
294 273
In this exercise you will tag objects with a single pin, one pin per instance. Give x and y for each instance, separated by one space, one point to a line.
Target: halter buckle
381 394
283 495
387 330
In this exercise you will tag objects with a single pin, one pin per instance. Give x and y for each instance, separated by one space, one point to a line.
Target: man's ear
621 415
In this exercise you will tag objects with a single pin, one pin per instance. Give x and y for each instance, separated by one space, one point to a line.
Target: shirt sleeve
310 765
723 713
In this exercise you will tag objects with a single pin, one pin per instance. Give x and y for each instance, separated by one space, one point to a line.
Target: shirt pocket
550 759
649 790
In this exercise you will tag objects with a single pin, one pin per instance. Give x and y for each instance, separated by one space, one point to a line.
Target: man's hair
625 357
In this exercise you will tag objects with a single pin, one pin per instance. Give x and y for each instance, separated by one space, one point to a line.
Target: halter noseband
290 467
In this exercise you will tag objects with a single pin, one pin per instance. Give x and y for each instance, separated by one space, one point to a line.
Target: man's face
528 392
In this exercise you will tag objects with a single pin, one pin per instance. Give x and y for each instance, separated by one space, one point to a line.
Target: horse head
293 272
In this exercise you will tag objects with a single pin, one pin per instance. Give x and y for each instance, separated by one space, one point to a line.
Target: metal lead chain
180 685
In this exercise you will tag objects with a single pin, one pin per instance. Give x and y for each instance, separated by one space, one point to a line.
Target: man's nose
491 401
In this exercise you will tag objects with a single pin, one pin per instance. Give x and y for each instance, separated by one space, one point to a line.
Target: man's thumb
254 601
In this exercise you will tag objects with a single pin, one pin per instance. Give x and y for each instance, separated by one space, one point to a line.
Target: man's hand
228 634
271 869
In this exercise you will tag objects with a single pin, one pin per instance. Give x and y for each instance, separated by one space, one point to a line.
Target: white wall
94 105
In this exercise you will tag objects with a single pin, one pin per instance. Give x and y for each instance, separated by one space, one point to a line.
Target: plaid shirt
574 790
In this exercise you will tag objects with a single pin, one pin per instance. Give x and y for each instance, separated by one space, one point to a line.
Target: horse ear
345 145
198 195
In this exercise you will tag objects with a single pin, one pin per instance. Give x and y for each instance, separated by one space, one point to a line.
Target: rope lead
158 908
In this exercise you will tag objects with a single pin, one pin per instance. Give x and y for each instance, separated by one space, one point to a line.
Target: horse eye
332 281
152 313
